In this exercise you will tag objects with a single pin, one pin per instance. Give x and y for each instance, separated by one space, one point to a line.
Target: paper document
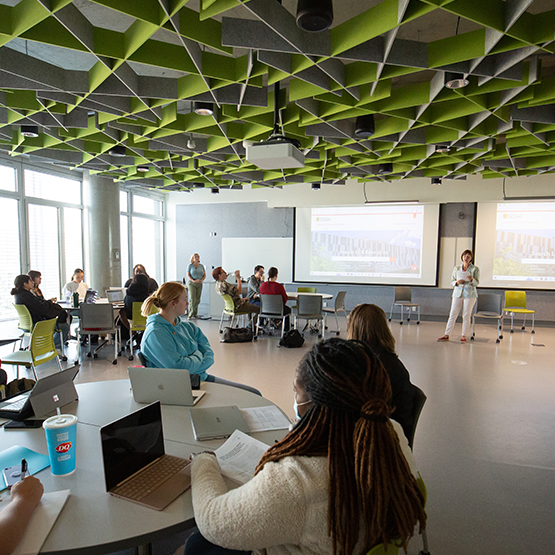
262 419
239 455
463 275
41 522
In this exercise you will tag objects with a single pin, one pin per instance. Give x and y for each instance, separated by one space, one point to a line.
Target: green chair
25 323
515 303
381 549
229 310
137 324
41 348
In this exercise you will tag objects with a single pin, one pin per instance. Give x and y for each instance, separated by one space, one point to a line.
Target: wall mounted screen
515 245
377 244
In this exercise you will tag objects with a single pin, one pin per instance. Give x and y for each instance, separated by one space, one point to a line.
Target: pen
23 468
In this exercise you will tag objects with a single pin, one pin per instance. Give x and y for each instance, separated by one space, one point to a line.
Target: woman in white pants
464 279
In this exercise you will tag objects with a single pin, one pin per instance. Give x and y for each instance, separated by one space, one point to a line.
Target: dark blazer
39 308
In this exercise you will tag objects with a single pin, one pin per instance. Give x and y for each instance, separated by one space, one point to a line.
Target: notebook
136 467
116 297
48 394
170 386
217 422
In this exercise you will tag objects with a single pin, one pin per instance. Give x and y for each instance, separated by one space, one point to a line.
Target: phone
12 475
23 425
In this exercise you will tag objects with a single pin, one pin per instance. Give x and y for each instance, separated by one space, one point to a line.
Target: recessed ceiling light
436 180
316 186
203 108
455 80
30 130
365 126
215 190
142 169
443 148
387 167
118 150
314 15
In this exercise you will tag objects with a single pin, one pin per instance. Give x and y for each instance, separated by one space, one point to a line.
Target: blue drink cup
61 438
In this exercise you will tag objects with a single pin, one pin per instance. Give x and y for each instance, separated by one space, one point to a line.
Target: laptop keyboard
16 406
150 479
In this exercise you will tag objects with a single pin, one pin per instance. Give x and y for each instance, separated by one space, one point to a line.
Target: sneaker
443 338
463 339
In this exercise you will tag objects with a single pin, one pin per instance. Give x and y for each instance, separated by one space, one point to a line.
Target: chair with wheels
271 307
489 306
98 319
41 348
229 310
403 299
309 308
339 307
515 303
137 325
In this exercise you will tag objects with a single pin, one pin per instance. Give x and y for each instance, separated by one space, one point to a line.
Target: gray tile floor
485 442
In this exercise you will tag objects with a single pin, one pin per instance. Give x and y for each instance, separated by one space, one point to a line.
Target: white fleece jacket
282 510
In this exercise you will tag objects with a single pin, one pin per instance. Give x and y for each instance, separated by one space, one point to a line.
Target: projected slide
515 245
525 242
389 244
347 242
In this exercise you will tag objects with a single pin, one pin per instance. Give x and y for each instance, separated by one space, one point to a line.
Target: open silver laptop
116 297
136 466
170 386
217 422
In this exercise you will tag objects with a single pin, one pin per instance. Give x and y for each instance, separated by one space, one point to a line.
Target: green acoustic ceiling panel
91 75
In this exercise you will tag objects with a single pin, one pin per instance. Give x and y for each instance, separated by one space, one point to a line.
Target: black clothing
39 308
152 284
403 391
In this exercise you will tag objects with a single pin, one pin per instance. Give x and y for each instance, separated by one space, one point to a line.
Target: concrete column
102 234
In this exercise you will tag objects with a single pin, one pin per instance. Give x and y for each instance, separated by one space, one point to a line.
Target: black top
130 298
152 284
402 399
38 308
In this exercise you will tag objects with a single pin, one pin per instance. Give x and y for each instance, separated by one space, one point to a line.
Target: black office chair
142 358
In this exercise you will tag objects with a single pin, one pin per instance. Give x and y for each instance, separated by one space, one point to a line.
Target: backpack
237 335
291 339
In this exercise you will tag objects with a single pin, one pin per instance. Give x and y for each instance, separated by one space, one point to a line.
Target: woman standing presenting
196 274
465 278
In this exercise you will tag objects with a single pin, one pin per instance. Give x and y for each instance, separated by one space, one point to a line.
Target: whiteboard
244 253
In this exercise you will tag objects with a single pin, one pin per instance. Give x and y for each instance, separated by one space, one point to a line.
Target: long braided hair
370 482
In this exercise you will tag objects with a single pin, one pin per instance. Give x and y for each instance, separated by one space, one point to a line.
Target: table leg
145 549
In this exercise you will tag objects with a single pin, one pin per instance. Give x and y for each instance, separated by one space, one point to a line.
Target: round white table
292 295
95 522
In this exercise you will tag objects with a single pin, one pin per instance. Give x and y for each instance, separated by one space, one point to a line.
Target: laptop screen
131 443
115 295
90 296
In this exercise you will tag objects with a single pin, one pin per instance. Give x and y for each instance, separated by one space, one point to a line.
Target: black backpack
237 335
291 339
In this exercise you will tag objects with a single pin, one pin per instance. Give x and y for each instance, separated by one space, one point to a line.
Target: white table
292 295
94 522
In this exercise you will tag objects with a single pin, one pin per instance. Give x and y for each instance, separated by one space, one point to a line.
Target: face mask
296 407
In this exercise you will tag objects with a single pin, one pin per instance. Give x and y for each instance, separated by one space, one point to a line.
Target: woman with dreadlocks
338 483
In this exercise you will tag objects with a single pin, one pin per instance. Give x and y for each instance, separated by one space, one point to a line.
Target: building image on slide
351 253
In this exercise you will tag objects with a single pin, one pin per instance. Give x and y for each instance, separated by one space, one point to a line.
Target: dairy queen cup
61 438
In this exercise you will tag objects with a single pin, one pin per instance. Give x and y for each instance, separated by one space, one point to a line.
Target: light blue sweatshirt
180 346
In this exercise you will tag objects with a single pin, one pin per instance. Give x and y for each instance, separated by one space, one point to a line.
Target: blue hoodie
180 346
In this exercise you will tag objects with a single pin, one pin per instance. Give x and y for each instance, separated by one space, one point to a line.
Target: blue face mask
296 407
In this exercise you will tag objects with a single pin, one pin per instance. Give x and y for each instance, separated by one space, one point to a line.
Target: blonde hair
193 256
163 296
368 323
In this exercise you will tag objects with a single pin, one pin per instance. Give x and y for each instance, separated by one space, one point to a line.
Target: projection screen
371 244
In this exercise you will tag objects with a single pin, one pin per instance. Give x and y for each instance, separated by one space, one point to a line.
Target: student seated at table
368 323
225 288
39 308
140 269
272 287
171 342
254 283
137 292
37 280
76 285
339 482
25 495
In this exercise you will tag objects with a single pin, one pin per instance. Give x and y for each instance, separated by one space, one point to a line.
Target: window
9 253
147 242
7 179
52 187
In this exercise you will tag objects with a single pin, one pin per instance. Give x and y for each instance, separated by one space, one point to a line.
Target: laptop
90 296
217 422
136 467
116 297
47 395
170 386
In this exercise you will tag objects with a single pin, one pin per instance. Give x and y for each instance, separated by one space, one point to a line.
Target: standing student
196 274
464 280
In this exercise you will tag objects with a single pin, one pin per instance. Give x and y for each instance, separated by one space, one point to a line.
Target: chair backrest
403 294
25 320
142 358
138 321
419 400
42 342
309 305
381 549
271 304
306 290
340 300
229 304
514 299
96 317
489 302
